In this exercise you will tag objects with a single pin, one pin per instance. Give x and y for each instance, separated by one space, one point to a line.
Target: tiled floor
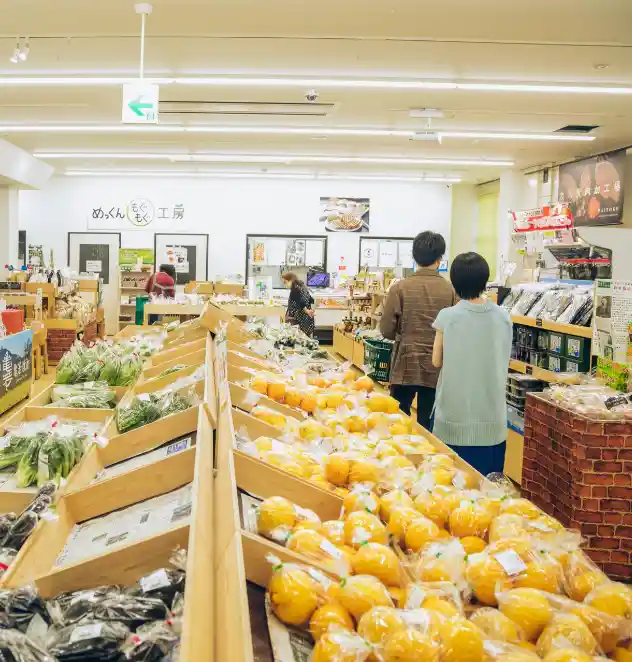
36 389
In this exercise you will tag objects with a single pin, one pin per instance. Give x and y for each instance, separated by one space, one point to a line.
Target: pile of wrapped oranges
425 562
443 575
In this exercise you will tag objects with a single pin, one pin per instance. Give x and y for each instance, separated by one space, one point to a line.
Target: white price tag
83 632
511 562
158 579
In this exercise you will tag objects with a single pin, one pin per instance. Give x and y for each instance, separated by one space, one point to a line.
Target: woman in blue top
473 347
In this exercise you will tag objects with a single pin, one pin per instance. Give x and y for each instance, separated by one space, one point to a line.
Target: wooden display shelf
194 358
542 374
39 403
570 329
171 309
254 311
514 456
181 350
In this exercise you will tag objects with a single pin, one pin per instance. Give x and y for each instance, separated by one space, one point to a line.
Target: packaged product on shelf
88 395
591 399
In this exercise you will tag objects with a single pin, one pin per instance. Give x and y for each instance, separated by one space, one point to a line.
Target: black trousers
405 394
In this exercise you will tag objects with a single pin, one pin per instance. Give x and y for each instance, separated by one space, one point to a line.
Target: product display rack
131 284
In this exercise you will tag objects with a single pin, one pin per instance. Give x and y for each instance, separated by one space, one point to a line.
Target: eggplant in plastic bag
151 643
70 608
20 530
93 641
131 610
17 647
162 584
18 608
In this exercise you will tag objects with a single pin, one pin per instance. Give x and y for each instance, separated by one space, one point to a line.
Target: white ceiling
542 41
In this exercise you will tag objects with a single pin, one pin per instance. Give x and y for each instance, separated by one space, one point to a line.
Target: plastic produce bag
277 518
94 640
150 643
69 608
17 647
18 607
132 610
163 584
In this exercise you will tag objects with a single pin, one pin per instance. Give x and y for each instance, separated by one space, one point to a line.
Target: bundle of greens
149 407
45 450
170 371
89 395
103 361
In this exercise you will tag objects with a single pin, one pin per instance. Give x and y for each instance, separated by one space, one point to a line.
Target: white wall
229 209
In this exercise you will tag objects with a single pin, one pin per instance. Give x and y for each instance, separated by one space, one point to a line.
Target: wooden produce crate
15 499
158 383
133 330
195 358
148 437
214 317
125 564
177 339
242 360
170 354
357 356
246 399
40 402
228 288
199 287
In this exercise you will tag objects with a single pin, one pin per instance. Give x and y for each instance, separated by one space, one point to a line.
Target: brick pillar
580 471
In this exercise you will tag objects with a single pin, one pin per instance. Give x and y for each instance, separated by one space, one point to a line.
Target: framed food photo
345 214
593 189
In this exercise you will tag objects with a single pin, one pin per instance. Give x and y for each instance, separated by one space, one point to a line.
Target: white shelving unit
127 311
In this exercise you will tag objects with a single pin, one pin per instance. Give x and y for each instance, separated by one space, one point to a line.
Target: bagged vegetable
17 647
89 640
150 643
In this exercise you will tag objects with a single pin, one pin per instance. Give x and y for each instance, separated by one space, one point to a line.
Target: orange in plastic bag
394 499
365 470
528 608
379 561
420 532
337 467
361 527
379 623
484 573
568 655
359 593
400 519
334 531
410 646
566 631
330 617
276 518
433 506
315 546
461 641
581 576
496 625
341 646
473 545
470 520
500 651
294 594
361 498
612 598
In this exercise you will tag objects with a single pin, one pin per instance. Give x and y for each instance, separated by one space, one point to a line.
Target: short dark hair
469 274
169 269
428 247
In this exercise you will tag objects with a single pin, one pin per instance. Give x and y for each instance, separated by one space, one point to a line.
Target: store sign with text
137 213
593 189
540 219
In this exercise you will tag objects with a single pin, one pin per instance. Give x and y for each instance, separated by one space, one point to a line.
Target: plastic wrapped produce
17 647
277 517
497 626
151 643
132 610
566 631
317 547
379 561
90 640
359 593
341 646
528 608
19 606
296 592
69 608
500 651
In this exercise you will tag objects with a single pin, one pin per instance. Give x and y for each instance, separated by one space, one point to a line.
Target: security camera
311 96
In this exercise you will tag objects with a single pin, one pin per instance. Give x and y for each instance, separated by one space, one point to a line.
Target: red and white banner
550 217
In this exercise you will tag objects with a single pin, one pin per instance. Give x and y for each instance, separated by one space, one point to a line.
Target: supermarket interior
316 331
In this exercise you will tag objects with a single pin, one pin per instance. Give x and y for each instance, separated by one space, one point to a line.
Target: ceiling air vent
259 108
577 128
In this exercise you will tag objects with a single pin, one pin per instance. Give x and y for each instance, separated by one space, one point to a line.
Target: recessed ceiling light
600 66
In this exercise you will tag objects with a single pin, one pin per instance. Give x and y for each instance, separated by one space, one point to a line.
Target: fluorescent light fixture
323 83
267 158
515 136
256 175
281 130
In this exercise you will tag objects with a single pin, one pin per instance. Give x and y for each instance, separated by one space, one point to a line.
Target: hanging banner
542 219
593 188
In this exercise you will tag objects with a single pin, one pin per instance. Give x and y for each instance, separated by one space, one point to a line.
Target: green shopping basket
377 358
140 309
